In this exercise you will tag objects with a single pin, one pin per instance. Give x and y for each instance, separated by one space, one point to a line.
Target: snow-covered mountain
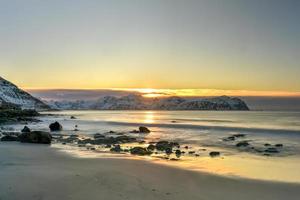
11 95
137 102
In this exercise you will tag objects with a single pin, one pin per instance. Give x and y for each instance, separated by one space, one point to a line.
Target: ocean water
202 132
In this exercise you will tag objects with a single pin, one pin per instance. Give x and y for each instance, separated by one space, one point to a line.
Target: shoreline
30 170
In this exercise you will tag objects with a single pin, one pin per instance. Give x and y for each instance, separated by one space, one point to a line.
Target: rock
143 129
163 145
278 145
55 126
36 137
271 150
72 117
93 148
214 154
98 135
230 138
174 159
134 131
108 146
239 135
140 151
242 144
197 155
74 136
25 129
63 143
169 151
178 153
267 144
9 138
151 147
116 148
186 147
192 152
111 132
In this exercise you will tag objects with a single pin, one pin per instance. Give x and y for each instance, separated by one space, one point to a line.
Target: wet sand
29 171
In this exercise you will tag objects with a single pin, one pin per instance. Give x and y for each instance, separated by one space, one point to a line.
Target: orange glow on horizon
151 92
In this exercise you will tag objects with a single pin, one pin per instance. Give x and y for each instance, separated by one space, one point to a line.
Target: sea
198 133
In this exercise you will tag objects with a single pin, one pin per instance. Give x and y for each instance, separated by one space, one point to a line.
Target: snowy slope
137 102
11 94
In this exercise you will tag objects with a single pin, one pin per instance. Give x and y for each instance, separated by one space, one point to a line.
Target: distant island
11 97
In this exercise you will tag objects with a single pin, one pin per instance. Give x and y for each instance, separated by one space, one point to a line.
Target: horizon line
152 92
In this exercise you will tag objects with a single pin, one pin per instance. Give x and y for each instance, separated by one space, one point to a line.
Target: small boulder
98 135
230 138
178 153
36 137
169 151
116 148
242 144
271 150
151 147
278 145
140 151
72 117
239 135
9 138
214 154
143 129
163 145
25 129
55 126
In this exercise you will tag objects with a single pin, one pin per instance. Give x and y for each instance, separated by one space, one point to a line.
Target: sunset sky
233 46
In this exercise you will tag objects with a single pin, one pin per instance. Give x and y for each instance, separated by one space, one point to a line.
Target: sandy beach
40 172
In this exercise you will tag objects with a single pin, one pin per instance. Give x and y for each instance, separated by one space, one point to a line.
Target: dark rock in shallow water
178 153
151 147
271 150
140 151
267 144
36 137
163 145
278 145
99 135
25 130
214 153
239 135
134 131
9 138
169 151
72 117
242 144
230 138
116 148
55 126
143 129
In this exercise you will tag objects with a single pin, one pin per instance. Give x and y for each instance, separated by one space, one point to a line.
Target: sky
239 46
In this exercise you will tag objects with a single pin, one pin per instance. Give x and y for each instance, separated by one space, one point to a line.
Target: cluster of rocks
28 136
246 145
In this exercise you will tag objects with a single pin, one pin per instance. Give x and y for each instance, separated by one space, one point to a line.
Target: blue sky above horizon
227 45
